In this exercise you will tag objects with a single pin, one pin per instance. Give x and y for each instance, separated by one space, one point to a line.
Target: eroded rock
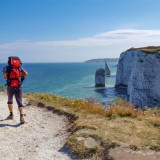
107 69
88 142
100 78
140 73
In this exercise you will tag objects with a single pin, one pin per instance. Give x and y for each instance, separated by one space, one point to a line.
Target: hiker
15 75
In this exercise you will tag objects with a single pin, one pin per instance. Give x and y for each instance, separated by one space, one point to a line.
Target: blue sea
75 80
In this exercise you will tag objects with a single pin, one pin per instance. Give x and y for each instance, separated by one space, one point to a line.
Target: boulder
100 78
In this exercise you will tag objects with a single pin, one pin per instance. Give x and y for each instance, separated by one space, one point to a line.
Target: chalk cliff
107 69
139 70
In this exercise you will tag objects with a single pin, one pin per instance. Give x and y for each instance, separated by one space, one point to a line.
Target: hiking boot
10 116
22 121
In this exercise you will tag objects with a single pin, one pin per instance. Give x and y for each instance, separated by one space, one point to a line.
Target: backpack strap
9 69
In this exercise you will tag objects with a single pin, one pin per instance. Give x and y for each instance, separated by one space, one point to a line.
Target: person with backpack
15 75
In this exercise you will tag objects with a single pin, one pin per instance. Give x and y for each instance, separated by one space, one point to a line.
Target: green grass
148 49
119 122
132 49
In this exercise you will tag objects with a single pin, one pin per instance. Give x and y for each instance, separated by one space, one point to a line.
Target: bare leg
21 110
22 121
10 101
10 107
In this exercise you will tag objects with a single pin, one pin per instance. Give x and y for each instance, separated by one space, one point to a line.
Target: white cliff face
124 68
107 69
140 72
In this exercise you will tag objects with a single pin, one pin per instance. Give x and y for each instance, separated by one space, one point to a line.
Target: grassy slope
119 123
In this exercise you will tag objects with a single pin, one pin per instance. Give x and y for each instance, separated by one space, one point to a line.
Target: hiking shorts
18 95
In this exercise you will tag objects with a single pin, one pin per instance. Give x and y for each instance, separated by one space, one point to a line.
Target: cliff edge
139 70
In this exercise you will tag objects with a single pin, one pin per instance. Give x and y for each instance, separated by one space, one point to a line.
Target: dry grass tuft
123 108
78 148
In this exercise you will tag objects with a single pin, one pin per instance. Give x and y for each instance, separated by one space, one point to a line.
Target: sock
21 115
11 113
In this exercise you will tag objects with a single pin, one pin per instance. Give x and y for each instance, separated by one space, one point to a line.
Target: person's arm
5 72
25 73
5 75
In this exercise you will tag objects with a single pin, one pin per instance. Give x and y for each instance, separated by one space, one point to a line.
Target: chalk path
41 138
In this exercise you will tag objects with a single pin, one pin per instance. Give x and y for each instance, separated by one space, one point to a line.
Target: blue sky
76 30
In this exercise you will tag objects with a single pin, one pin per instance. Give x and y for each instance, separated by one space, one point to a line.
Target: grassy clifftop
148 49
97 128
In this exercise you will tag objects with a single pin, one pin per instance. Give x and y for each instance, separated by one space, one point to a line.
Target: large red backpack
14 72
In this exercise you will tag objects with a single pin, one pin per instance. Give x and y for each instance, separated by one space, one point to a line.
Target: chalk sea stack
107 69
100 78
139 70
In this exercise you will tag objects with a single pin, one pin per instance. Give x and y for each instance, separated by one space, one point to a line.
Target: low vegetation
101 126
148 50
2 87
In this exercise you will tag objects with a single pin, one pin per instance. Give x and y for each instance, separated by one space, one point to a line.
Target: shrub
150 51
123 108
2 87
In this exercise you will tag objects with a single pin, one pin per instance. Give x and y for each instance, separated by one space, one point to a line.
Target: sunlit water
75 80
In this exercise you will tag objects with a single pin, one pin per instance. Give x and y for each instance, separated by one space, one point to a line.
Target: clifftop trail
41 138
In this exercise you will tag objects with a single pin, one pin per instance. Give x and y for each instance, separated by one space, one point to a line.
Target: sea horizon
69 79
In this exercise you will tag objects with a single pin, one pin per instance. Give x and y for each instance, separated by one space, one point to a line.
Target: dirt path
41 138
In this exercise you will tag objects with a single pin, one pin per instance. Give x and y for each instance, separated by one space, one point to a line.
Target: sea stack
139 70
107 69
100 78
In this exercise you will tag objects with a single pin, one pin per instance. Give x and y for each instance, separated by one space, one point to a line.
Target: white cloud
103 39
130 33
112 42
